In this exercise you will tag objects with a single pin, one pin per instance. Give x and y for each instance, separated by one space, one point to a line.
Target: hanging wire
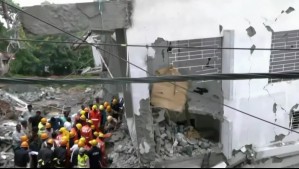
240 111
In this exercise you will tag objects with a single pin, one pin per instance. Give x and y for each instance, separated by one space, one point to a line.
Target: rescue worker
97 101
34 145
111 124
26 114
21 158
77 131
87 131
72 139
42 126
65 132
75 153
35 120
94 155
49 129
109 111
16 137
60 154
104 117
65 116
83 159
93 128
82 120
96 118
101 144
106 104
45 155
44 137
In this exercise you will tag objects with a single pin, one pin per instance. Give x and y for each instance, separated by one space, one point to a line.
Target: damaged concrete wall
78 17
194 61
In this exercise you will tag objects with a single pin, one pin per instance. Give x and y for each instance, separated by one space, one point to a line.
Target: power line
146 70
153 79
152 46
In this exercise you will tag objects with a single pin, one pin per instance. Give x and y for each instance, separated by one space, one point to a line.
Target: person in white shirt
68 124
16 137
26 114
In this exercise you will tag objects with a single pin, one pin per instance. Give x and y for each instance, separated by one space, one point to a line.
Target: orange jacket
96 118
86 132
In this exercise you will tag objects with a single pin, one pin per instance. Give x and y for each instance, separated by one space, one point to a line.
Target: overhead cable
152 46
146 70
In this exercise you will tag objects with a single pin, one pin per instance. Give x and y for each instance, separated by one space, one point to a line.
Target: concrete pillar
228 63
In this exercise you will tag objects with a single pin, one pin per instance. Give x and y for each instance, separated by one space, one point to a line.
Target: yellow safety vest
82 161
41 128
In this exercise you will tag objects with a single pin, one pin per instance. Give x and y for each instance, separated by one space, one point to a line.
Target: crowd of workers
76 141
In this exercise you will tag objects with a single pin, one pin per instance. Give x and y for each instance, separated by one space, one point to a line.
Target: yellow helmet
114 102
63 142
96 134
83 118
79 126
82 112
93 127
109 118
94 107
82 139
81 144
101 135
50 141
65 138
62 129
90 121
93 142
102 107
108 109
43 120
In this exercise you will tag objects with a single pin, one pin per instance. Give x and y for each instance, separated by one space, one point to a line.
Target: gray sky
37 2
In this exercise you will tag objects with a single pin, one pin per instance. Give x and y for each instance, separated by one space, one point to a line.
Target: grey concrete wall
78 17
193 61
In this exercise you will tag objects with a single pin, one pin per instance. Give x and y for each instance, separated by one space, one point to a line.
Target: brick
203 70
274 52
209 51
209 56
290 57
289 68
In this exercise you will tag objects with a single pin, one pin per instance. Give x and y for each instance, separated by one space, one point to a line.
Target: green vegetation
33 57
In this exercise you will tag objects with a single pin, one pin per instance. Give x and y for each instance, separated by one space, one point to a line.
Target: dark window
295 119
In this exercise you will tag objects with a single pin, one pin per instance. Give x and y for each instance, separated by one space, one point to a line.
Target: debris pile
178 141
123 154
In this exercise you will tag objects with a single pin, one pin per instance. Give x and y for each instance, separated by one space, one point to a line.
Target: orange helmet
24 144
44 136
81 144
76 141
63 142
79 126
43 120
48 126
24 138
108 109
106 104
72 134
50 141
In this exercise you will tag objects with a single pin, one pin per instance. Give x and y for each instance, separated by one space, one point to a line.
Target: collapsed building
166 122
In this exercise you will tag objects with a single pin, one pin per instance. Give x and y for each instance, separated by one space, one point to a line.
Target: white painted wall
192 19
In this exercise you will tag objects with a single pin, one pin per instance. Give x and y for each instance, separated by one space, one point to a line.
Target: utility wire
147 71
147 46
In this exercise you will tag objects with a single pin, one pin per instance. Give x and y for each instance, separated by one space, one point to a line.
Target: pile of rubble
122 154
178 141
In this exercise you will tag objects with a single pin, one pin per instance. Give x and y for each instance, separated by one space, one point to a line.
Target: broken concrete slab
78 17
237 159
